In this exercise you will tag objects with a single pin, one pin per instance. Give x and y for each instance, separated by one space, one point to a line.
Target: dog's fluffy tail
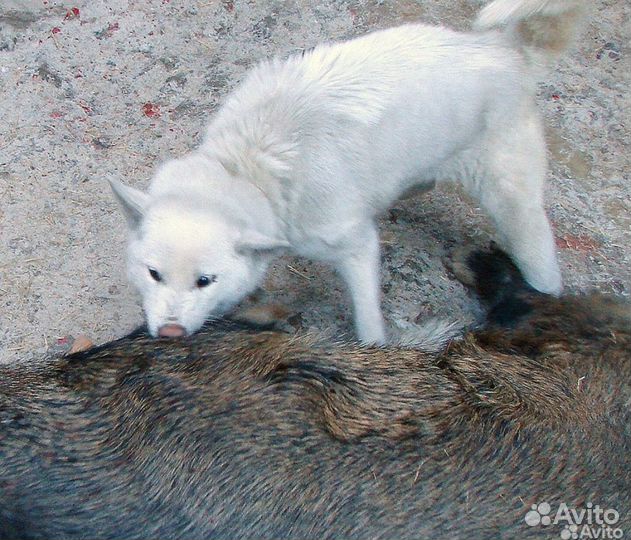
547 26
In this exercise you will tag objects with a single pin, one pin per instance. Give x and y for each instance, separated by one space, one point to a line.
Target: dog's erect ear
255 242
132 201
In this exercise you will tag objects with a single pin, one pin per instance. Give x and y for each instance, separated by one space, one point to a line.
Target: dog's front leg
359 263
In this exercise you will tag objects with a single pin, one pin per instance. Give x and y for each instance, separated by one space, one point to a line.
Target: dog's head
189 262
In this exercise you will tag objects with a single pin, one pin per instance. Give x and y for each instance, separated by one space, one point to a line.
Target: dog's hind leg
525 232
509 185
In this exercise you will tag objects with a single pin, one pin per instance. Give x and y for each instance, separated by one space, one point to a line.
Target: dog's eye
204 281
155 274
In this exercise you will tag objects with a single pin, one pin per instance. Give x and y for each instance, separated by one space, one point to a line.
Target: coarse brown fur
237 432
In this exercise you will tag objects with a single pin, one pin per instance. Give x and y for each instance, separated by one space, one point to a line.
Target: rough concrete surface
97 88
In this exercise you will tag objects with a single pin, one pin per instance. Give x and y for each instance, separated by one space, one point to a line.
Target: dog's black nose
172 330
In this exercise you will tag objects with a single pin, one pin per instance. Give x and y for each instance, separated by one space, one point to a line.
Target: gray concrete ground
97 88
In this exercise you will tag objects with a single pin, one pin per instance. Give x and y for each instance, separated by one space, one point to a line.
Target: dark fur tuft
501 286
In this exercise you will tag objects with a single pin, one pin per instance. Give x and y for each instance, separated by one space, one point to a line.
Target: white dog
307 151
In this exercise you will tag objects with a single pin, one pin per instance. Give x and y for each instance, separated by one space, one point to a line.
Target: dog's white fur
309 150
